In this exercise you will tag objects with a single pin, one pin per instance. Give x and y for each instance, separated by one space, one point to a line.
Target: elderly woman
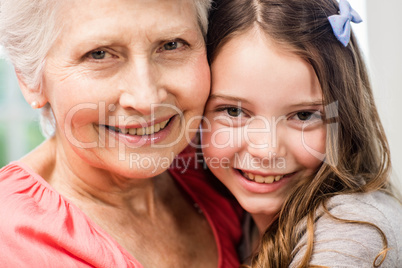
126 82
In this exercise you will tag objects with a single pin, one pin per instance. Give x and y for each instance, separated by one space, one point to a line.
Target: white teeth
262 179
259 179
132 131
163 124
148 130
157 127
144 130
269 179
141 131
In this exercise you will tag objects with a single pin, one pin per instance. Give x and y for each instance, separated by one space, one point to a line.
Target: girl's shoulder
351 243
372 207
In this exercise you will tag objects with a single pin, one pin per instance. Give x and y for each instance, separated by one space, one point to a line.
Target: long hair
357 153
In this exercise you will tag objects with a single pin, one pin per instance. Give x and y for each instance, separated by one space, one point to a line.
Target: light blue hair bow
341 23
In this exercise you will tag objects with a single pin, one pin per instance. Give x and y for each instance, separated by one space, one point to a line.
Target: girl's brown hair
357 154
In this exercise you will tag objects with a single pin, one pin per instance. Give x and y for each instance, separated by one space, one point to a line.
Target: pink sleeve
39 228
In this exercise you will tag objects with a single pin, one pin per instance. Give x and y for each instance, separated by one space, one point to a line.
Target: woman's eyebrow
107 39
228 97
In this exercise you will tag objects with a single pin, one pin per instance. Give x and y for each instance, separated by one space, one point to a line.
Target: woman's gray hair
27 32
203 7
28 29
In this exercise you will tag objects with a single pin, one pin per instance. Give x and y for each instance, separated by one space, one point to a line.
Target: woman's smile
149 129
147 134
156 79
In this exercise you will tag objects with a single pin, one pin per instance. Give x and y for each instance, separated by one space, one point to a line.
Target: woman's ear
34 96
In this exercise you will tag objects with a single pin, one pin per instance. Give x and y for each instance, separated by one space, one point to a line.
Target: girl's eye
233 111
304 116
311 116
230 116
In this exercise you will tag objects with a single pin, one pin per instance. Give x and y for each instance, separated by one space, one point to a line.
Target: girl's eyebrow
228 97
307 103
317 102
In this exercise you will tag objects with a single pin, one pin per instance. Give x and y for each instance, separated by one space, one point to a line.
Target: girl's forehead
251 67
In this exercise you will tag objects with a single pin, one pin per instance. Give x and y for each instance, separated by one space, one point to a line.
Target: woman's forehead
142 13
143 20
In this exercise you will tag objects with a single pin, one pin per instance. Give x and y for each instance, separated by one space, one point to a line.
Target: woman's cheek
191 84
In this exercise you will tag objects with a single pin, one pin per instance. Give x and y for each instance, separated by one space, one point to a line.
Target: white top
338 244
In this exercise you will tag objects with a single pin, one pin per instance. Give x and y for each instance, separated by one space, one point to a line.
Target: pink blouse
40 228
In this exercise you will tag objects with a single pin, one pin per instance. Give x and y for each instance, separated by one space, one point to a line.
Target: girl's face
127 82
263 130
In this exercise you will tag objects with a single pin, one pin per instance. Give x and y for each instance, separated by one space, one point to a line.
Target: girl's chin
260 208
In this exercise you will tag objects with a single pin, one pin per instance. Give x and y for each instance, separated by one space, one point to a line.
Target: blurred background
379 36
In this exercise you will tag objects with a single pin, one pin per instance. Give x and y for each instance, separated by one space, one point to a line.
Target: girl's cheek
221 142
224 138
315 141
311 150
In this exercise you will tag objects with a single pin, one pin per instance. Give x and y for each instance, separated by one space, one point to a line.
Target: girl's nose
265 140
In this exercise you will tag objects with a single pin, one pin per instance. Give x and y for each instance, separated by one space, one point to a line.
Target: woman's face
263 129
127 82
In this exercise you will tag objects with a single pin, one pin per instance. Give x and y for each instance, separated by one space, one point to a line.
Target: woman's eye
233 111
172 45
99 55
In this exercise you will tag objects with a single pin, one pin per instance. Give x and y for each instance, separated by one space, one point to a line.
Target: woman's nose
142 87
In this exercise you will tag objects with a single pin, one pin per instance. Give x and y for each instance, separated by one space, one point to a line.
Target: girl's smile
263 178
256 183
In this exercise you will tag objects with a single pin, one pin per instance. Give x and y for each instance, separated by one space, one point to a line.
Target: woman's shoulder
14 177
25 199
39 223
350 243
24 210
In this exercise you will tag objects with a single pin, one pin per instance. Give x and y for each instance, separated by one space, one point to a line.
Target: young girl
292 130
